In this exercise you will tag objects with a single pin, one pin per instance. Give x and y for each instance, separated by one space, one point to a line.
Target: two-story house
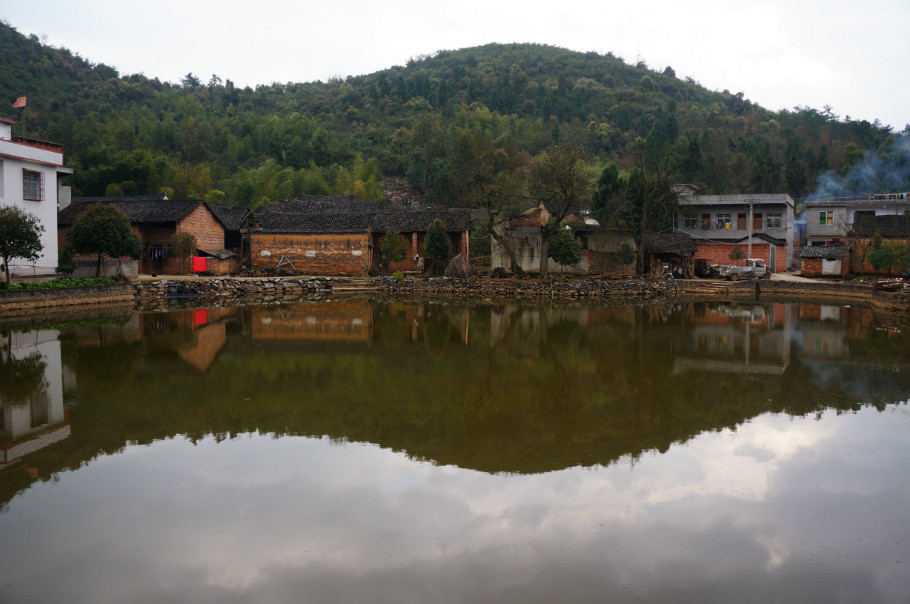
30 175
828 221
760 224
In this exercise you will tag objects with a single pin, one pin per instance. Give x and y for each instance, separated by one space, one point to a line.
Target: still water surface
361 451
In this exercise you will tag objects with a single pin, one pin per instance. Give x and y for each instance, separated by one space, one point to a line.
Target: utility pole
751 202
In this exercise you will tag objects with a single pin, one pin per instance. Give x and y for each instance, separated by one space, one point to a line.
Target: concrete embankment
508 289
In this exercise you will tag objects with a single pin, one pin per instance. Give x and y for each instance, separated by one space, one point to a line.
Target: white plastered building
30 178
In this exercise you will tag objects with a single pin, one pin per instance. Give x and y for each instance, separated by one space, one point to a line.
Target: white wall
45 211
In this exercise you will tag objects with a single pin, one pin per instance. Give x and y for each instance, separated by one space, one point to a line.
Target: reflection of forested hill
599 387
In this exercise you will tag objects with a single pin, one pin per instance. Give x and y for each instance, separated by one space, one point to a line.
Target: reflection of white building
825 337
32 416
738 339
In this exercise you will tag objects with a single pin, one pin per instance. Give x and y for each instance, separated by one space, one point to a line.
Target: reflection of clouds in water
781 508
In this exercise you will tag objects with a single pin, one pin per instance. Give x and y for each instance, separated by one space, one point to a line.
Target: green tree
66 263
392 248
557 178
103 230
737 254
20 236
436 246
182 246
564 248
608 195
623 257
888 256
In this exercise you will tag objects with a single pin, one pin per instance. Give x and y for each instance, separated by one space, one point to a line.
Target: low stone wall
164 293
42 300
615 291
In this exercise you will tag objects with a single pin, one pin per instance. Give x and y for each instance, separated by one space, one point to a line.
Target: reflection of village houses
357 320
32 412
742 338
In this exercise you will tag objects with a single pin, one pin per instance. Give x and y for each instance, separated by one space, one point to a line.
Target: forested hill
423 122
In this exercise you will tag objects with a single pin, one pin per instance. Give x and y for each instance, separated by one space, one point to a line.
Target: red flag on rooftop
20 102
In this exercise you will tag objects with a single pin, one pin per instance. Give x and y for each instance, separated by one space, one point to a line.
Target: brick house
718 223
831 220
413 225
824 261
313 243
863 230
30 179
154 219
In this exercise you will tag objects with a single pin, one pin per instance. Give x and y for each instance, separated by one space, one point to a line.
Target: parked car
755 268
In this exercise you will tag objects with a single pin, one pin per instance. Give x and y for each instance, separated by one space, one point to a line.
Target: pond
365 451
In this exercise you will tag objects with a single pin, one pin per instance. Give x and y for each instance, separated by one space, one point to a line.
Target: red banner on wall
199 264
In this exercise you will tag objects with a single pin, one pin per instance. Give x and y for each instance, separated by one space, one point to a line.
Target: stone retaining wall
42 300
162 294
616 291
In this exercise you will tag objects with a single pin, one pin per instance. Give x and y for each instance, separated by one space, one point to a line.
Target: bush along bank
499 289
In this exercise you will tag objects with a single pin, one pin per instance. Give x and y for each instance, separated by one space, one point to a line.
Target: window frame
690 221
826 218
723 222
774 220
31 190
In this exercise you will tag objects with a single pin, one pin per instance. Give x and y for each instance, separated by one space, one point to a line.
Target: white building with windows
30 178
717 223
828 221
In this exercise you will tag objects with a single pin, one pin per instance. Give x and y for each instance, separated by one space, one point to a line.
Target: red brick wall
202 224
719 253
859 248
811 267
314 254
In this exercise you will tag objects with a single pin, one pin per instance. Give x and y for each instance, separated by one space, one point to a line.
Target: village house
237 221
338 235
413 225
313 243
674 252
599 246
829 221
718 223
891 228
155 219
31 172
825 261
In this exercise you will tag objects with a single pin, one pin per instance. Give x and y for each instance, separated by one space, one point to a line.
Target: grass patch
55 284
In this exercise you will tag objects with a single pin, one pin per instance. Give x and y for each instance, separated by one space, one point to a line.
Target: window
741 222
756 222
723 222
775 220
706 222
825 218
690 222
32 186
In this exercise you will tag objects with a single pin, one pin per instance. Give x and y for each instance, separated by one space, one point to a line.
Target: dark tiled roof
669 243
893 227
232 217
313 222
159 197
313 203
829 252
138 211
410 221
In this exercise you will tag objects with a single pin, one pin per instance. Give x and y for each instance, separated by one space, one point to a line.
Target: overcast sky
853 56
